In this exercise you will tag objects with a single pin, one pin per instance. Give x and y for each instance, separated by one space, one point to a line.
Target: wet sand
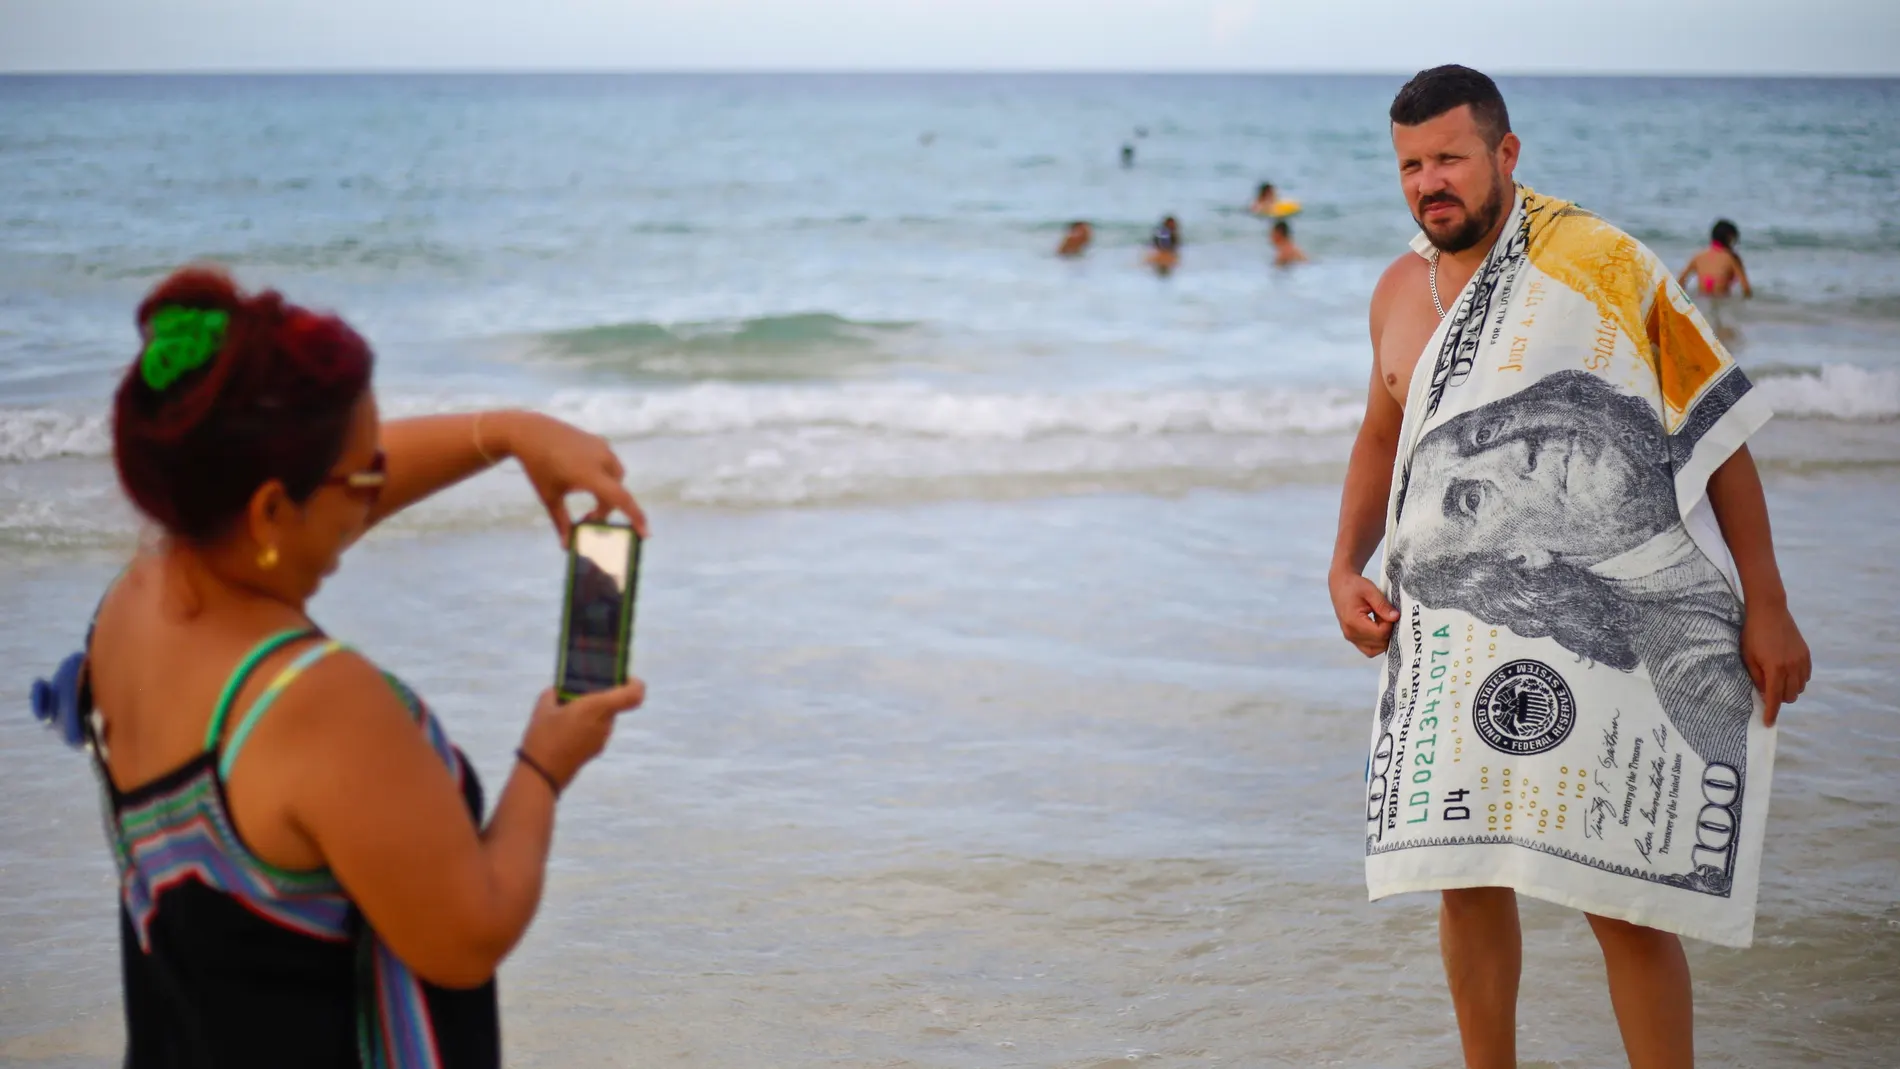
1071 782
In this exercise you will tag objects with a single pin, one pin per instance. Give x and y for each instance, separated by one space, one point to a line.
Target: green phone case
624 646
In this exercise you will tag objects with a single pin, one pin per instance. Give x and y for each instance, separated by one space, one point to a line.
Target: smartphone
603 574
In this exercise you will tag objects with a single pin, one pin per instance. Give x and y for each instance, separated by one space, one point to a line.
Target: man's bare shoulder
1406 271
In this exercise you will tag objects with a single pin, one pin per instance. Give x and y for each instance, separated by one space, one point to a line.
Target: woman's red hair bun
274 403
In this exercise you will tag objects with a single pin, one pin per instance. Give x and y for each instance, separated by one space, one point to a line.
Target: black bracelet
521 755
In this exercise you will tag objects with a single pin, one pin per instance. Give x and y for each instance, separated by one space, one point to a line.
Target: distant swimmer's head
1282 232
1452 135
1725 234
1266 191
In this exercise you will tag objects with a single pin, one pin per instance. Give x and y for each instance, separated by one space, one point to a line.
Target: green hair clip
183 339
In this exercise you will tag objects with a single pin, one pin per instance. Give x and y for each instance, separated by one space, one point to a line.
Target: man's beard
1477 224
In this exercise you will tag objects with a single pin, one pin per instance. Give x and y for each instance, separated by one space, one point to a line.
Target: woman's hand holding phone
563 736
560 459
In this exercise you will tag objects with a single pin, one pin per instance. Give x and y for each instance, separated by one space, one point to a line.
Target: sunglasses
365 485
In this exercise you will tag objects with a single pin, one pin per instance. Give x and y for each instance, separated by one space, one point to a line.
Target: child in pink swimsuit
1719 266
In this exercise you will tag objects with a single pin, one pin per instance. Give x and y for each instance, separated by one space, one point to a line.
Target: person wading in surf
1286 252
1456 155
1719 267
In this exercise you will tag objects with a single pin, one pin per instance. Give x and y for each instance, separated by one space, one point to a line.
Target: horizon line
528 71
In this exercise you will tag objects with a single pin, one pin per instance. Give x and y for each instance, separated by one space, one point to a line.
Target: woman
305 879
1164 252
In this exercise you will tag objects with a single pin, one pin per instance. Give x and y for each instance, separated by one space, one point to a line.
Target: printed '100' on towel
1564 709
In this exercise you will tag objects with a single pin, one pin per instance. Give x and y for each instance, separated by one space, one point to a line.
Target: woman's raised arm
428 454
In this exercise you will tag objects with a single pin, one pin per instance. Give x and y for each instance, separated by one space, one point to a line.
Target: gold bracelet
475 435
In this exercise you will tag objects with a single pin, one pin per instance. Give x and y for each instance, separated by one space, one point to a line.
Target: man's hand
1365 617
1776 656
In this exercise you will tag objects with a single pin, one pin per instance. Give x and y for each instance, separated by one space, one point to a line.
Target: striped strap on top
242 673
277 686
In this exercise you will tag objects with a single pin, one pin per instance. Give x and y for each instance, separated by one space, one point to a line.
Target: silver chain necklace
1433 274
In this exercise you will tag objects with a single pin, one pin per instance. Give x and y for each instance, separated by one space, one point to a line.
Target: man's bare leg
1649 986
1484 953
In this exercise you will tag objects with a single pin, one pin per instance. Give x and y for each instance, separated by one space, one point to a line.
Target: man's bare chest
1400 344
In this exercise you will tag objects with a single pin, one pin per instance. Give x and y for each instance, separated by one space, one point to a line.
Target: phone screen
603 573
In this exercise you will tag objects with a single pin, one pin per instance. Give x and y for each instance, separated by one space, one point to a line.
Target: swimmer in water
1164 254
1128 155
1264 200
1285 252
1719 266
1076 241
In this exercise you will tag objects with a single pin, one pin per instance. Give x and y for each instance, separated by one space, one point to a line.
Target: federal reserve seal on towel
1523 708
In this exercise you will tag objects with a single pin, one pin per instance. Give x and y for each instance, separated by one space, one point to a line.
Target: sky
1829 37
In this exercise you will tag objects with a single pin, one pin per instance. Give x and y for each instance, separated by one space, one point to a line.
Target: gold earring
268 558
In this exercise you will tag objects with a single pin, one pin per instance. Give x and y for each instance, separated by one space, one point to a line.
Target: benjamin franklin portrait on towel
1553 512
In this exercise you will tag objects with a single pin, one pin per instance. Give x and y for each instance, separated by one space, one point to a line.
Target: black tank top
232 962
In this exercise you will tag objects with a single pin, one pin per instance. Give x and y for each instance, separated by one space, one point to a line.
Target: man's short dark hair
1434 92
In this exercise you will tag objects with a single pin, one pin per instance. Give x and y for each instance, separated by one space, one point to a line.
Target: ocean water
998 716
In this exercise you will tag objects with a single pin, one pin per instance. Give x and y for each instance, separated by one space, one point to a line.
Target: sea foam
1837 392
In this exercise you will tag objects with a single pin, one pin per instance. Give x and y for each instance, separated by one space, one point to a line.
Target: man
1285 252
1553 454
1076 241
